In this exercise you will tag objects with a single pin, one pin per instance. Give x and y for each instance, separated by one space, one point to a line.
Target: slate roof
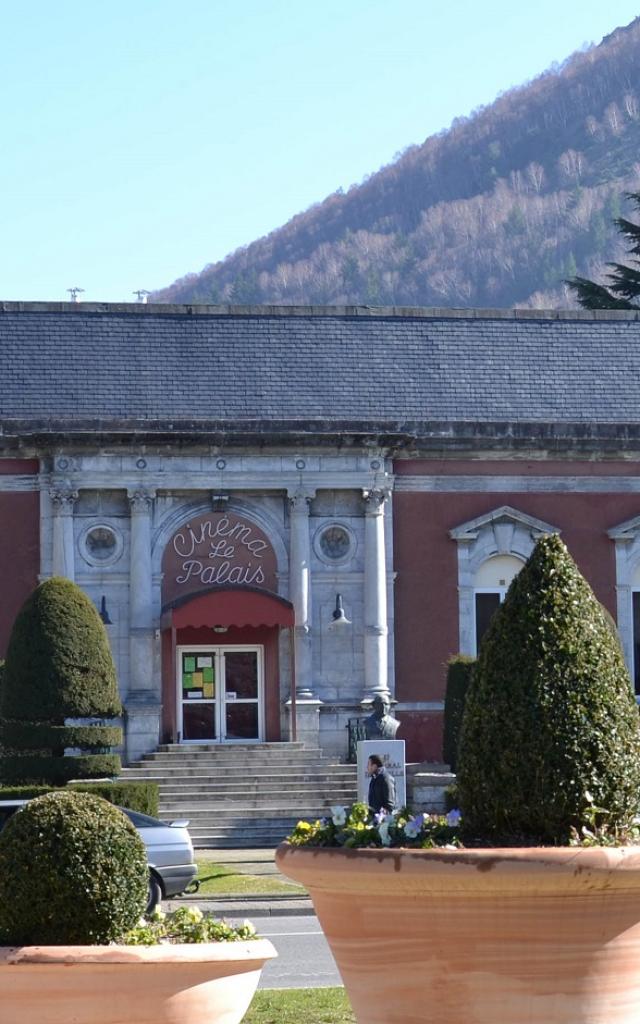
111 369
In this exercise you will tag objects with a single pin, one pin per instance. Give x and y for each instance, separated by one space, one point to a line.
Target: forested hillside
495 211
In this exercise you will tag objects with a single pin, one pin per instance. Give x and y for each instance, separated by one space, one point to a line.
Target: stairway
246 795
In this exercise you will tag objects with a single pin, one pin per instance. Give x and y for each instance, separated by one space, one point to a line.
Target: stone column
300 591
375 597
142 705
62 502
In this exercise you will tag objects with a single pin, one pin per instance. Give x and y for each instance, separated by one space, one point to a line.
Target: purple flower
453 817
413 827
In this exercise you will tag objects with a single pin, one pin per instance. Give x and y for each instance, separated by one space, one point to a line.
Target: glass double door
220 694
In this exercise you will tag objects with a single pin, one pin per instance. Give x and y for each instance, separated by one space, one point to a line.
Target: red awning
229 607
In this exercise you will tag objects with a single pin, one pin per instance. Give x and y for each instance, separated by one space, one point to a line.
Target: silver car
169 851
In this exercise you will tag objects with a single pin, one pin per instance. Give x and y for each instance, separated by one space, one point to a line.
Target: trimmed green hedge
42 736
459 674
136 796
40 769
551 728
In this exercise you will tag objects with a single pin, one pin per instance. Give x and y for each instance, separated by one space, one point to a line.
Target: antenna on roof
74 292
142 294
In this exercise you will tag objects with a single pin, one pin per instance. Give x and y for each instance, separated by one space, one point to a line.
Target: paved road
304 960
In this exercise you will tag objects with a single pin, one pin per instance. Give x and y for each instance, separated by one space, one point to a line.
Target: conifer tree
624 281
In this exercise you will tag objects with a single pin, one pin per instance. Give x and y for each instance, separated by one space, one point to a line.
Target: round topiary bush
551 728
59 666
73 871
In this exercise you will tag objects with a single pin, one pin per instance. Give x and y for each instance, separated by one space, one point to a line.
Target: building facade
215 478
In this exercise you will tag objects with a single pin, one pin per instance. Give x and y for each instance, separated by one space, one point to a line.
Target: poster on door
392 754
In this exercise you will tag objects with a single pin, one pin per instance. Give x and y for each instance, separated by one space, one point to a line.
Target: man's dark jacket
382 791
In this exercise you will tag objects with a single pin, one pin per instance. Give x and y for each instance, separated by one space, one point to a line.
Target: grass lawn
227 880
292 1005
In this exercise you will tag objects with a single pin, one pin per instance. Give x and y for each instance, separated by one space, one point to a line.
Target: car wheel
155 893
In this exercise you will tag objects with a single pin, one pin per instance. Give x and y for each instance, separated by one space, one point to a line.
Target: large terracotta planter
503 936
212 983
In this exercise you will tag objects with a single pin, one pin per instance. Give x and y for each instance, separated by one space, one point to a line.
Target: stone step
268 746
290 804
240 777
262 814
227 751
221 765
210 795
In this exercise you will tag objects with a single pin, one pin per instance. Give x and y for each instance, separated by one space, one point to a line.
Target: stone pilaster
142 703
375 597
62 501
300 592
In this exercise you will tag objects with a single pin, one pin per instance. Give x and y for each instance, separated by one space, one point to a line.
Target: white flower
413 828
383 832
249 926
194 915
453 817
338 815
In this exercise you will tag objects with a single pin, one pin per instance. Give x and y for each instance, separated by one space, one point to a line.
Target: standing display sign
392 754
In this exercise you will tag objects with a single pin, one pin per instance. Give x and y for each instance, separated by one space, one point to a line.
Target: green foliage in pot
459 673
551 727
73 871
58 667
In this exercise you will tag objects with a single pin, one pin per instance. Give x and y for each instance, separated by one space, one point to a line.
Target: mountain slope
496 211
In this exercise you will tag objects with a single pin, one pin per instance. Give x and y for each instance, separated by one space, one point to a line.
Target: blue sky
141 141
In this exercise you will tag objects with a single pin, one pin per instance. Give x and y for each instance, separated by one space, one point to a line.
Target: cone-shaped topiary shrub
551 727
73 871
58 667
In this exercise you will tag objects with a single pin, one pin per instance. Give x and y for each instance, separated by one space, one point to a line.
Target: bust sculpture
379 725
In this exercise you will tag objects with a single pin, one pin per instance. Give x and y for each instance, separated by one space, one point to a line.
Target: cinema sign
217 549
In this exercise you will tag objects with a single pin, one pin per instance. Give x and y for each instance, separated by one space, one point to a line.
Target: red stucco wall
425 560
19 545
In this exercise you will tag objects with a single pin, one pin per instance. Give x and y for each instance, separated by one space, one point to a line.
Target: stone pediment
503 521
628 530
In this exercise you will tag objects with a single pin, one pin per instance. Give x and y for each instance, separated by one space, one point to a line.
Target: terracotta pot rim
559 855
165 954
483 872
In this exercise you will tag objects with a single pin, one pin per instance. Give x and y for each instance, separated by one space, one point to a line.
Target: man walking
382 789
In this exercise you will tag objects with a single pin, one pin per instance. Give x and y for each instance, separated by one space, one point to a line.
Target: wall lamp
339 619
103 613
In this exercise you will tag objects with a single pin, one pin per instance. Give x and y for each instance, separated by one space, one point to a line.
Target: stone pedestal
307 721
142 726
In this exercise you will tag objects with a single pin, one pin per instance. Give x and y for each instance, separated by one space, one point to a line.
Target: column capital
300 502
63 499
374 500
140 501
